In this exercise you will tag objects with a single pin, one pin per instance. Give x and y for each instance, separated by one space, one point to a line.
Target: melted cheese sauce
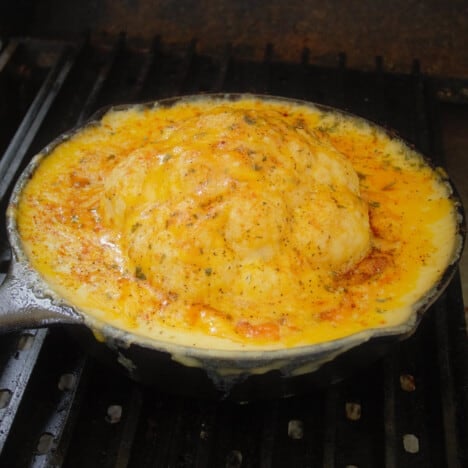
247 224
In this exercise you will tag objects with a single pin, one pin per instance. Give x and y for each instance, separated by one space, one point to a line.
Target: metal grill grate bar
60 416
103 76
148 64
130 424
446 386
184 79
16 151
15 377
7 53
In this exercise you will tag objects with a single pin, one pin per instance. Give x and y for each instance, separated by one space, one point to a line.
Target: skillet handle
21 306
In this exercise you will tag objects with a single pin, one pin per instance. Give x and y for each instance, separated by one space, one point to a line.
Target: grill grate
59 407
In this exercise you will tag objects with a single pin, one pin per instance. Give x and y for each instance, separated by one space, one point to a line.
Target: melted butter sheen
237 224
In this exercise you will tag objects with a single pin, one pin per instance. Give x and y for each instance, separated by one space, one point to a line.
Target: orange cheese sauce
246 224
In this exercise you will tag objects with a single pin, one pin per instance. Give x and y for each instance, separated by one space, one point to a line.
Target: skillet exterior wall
433 31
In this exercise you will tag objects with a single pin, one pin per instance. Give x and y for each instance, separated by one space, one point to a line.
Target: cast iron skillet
26 301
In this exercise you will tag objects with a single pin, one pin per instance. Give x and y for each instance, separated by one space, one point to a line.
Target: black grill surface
59 407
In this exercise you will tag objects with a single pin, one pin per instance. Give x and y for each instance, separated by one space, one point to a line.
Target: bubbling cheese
225 210
237 224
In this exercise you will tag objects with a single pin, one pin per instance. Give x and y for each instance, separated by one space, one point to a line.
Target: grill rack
59 407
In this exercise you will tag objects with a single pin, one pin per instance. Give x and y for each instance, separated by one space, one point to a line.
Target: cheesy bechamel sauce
237 224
